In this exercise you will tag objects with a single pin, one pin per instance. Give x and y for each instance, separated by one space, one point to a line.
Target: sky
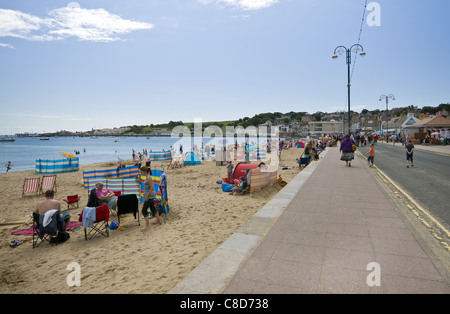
95 64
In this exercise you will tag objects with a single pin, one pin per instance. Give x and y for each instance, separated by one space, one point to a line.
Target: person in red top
371 154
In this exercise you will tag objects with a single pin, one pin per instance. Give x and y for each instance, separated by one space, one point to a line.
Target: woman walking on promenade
347 150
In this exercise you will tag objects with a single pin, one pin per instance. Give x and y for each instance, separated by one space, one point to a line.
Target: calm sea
24 152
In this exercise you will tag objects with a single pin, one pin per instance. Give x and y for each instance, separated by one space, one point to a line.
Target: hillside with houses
409 120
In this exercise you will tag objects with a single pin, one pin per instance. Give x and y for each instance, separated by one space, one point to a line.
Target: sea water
24 152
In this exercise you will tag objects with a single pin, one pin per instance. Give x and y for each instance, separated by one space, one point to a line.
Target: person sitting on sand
308 153
50 204
240 187
106 196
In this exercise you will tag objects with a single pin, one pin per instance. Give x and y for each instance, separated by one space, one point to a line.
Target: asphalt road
428 182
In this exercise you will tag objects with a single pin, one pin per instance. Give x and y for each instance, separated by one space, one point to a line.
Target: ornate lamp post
387 112
340 50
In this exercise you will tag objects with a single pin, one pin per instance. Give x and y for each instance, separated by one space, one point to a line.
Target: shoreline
200 220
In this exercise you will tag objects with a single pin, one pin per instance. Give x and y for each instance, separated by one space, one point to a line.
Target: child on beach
230 167
8 166
240 187
371 154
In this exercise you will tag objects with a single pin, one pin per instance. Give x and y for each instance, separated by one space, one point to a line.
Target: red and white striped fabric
31 185
47 183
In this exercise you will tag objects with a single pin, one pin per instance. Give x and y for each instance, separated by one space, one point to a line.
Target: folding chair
48 183
128 204
30 185
303 162
36 227
52 232
72 201
99 225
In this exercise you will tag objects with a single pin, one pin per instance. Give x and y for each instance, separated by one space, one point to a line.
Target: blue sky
110 63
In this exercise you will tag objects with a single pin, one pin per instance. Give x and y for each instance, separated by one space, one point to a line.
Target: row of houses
417 126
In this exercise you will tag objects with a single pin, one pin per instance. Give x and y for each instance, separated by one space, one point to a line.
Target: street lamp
348 51
387 112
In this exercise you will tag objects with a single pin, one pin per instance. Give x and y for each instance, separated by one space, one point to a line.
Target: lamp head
362 53
334 57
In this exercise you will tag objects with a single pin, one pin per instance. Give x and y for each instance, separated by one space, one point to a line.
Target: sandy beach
131 260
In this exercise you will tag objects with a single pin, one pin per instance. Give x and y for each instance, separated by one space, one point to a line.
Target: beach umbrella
67 155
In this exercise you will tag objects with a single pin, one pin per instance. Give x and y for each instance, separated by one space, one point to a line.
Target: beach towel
88 216
48 217
29 231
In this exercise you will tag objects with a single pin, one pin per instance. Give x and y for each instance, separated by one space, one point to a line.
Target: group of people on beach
241 184
105 196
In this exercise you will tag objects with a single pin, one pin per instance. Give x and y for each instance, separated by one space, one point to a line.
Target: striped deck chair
173 162
48 183
177 162
31 186
180 162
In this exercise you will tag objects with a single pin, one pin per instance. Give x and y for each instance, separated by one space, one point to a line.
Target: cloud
247 5
6 45
96 25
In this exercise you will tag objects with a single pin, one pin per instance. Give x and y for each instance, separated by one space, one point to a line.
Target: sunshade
67 155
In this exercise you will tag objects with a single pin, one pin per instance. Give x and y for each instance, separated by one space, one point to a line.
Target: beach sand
131 260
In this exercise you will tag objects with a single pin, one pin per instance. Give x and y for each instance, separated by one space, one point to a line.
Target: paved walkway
330 230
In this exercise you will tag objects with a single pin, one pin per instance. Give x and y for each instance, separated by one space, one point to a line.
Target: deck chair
128 204
95 221
48 183
180 162
72 201
30 186
173 162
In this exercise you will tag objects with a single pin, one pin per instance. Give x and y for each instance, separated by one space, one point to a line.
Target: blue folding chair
303 162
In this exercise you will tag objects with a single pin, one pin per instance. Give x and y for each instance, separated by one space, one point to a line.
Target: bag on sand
61 237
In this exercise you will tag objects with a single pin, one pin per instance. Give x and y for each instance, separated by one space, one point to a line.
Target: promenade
332 229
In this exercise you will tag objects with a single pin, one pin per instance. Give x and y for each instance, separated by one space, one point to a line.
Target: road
428 182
